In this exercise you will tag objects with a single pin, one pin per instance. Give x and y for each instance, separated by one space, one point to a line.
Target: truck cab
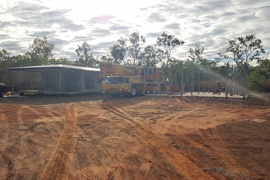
128 85
120 84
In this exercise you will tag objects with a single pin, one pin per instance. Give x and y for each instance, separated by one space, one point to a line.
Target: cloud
69 25
101 19
36 16
246 4
10 45
153 35
102 48
40 33
29 20
100 32
4 36
58 41
70 55
156 17
118 27
263 12
80 38
173 26
210 23
172 7
214 23
6 24
22 9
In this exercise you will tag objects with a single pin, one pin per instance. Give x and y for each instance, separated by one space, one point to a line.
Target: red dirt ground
151 137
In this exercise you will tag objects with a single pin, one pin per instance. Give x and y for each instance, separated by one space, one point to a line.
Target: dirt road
96 137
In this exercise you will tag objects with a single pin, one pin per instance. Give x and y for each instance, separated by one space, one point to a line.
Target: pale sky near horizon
67 24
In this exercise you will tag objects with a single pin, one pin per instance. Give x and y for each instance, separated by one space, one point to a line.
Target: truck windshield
114 80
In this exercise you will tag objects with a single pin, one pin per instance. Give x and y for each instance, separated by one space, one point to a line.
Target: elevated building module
56 79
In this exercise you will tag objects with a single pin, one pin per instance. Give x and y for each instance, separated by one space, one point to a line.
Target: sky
67 24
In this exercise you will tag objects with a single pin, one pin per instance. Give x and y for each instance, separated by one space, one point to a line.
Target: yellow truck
129 80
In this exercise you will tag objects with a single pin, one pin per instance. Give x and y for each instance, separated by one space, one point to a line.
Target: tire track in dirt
220 152
12 158
101 173
4 126
62 157
22 110
3 144
17 145
11 161
90 115
184 165
173 116
223 152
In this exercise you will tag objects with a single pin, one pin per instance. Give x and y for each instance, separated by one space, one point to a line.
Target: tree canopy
244 50
166 44
41 48
149 56
118 51
195 54
85 56
135 46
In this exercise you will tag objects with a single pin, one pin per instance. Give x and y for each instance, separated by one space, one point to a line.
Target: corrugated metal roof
52 67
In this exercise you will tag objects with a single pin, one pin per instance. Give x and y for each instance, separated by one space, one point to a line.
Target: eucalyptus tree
243 50
195 54
119 51
39 52
41 47
86 58
166 44
259 77
4 65
107 58
136 40
149 56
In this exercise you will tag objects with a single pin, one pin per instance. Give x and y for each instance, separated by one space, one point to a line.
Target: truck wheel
133 92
